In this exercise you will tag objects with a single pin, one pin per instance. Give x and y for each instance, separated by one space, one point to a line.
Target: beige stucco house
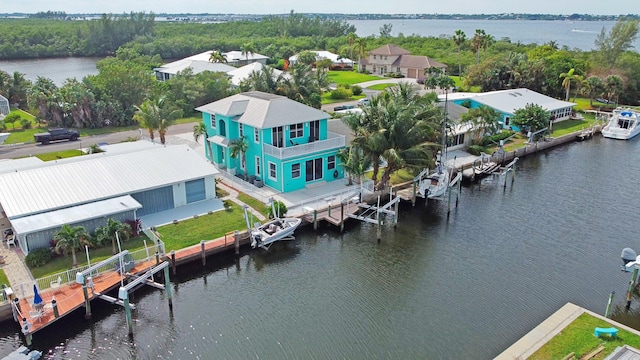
394 59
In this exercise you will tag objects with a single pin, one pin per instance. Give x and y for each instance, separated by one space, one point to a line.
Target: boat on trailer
623 124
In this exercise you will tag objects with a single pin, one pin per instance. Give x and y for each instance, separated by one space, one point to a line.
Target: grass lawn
380 87
189 120
569 126
205 227
254 203
459 84
578 338
3 278
59 155
326 98
97 254
397 177
350 77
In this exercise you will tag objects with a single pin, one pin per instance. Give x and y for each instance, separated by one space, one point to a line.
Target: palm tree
217 57
147 116
484 120
351 40
354 163
108 233
567 78
477 43
69 239
200 129
595 87
459 38
238 148
361 48
167 115
247 49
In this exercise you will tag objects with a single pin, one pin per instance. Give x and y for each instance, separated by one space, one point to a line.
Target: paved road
24 150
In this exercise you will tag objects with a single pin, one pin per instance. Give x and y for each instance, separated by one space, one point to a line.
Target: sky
596 7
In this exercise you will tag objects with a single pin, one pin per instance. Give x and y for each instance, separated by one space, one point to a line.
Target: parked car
343 107
56 134
363 101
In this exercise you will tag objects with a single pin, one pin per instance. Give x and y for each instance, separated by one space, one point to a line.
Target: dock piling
379 219
413 196
26 330
236 241
54 306
395 210
342 216
124 296
607 312
632 283
173 261
157 258
87 301
315 219
203 254
167 287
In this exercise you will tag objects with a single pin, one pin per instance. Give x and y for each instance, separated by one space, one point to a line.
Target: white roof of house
75 214
263 110
83 179
508 101
13 165
197 66
242 73
322 54
238 56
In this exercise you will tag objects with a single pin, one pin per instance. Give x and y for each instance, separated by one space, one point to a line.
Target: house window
273 173
331 162
213 122
295 171
313 169
241 130
256 135
374 57
455 140
506 121
398 69
257 165
296 130
385 58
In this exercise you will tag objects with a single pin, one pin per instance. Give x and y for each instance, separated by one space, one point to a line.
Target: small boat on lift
435 185
623 124
263 236
274 230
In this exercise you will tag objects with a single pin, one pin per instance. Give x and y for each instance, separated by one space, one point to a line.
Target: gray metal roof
263 110
65 184
508 101
74 214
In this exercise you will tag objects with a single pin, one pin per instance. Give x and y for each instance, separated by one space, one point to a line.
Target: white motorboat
623 124
3 137
435 185
272 231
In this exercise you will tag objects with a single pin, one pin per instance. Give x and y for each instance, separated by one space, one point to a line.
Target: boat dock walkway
335 214
70 297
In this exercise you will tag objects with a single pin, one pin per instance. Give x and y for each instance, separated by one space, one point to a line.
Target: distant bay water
574 34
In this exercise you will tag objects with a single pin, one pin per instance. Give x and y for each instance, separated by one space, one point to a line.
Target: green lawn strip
206 227
350 77
3 278
59 155
326 98
254 203
192 119
380 87
397 177
568 126
65 262
578 338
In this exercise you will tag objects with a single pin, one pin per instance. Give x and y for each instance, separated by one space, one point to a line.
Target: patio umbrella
37 299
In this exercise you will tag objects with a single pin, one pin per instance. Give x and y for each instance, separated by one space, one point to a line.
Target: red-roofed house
394 59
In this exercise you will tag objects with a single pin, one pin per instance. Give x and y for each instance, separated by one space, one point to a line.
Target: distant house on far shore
394 59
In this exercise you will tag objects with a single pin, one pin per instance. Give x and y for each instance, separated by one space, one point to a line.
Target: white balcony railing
333 141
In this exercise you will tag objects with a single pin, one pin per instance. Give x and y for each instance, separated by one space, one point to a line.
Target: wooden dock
335 215
70 297
210 247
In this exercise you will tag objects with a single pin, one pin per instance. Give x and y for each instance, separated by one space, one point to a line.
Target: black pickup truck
56 134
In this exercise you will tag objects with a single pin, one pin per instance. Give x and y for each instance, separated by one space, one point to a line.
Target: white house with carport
508 101
200 63
36 199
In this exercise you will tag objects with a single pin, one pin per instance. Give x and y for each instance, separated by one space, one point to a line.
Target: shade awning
73 215
219 140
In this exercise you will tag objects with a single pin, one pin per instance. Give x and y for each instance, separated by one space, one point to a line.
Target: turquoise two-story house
289 146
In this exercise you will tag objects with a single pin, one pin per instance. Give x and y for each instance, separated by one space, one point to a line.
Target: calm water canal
465 288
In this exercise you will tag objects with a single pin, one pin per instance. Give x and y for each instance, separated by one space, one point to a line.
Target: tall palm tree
361 49
595 87
351 40
69 239
109 231
484 120
238 148
459 38
477 43
354 163
200 129
567 78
